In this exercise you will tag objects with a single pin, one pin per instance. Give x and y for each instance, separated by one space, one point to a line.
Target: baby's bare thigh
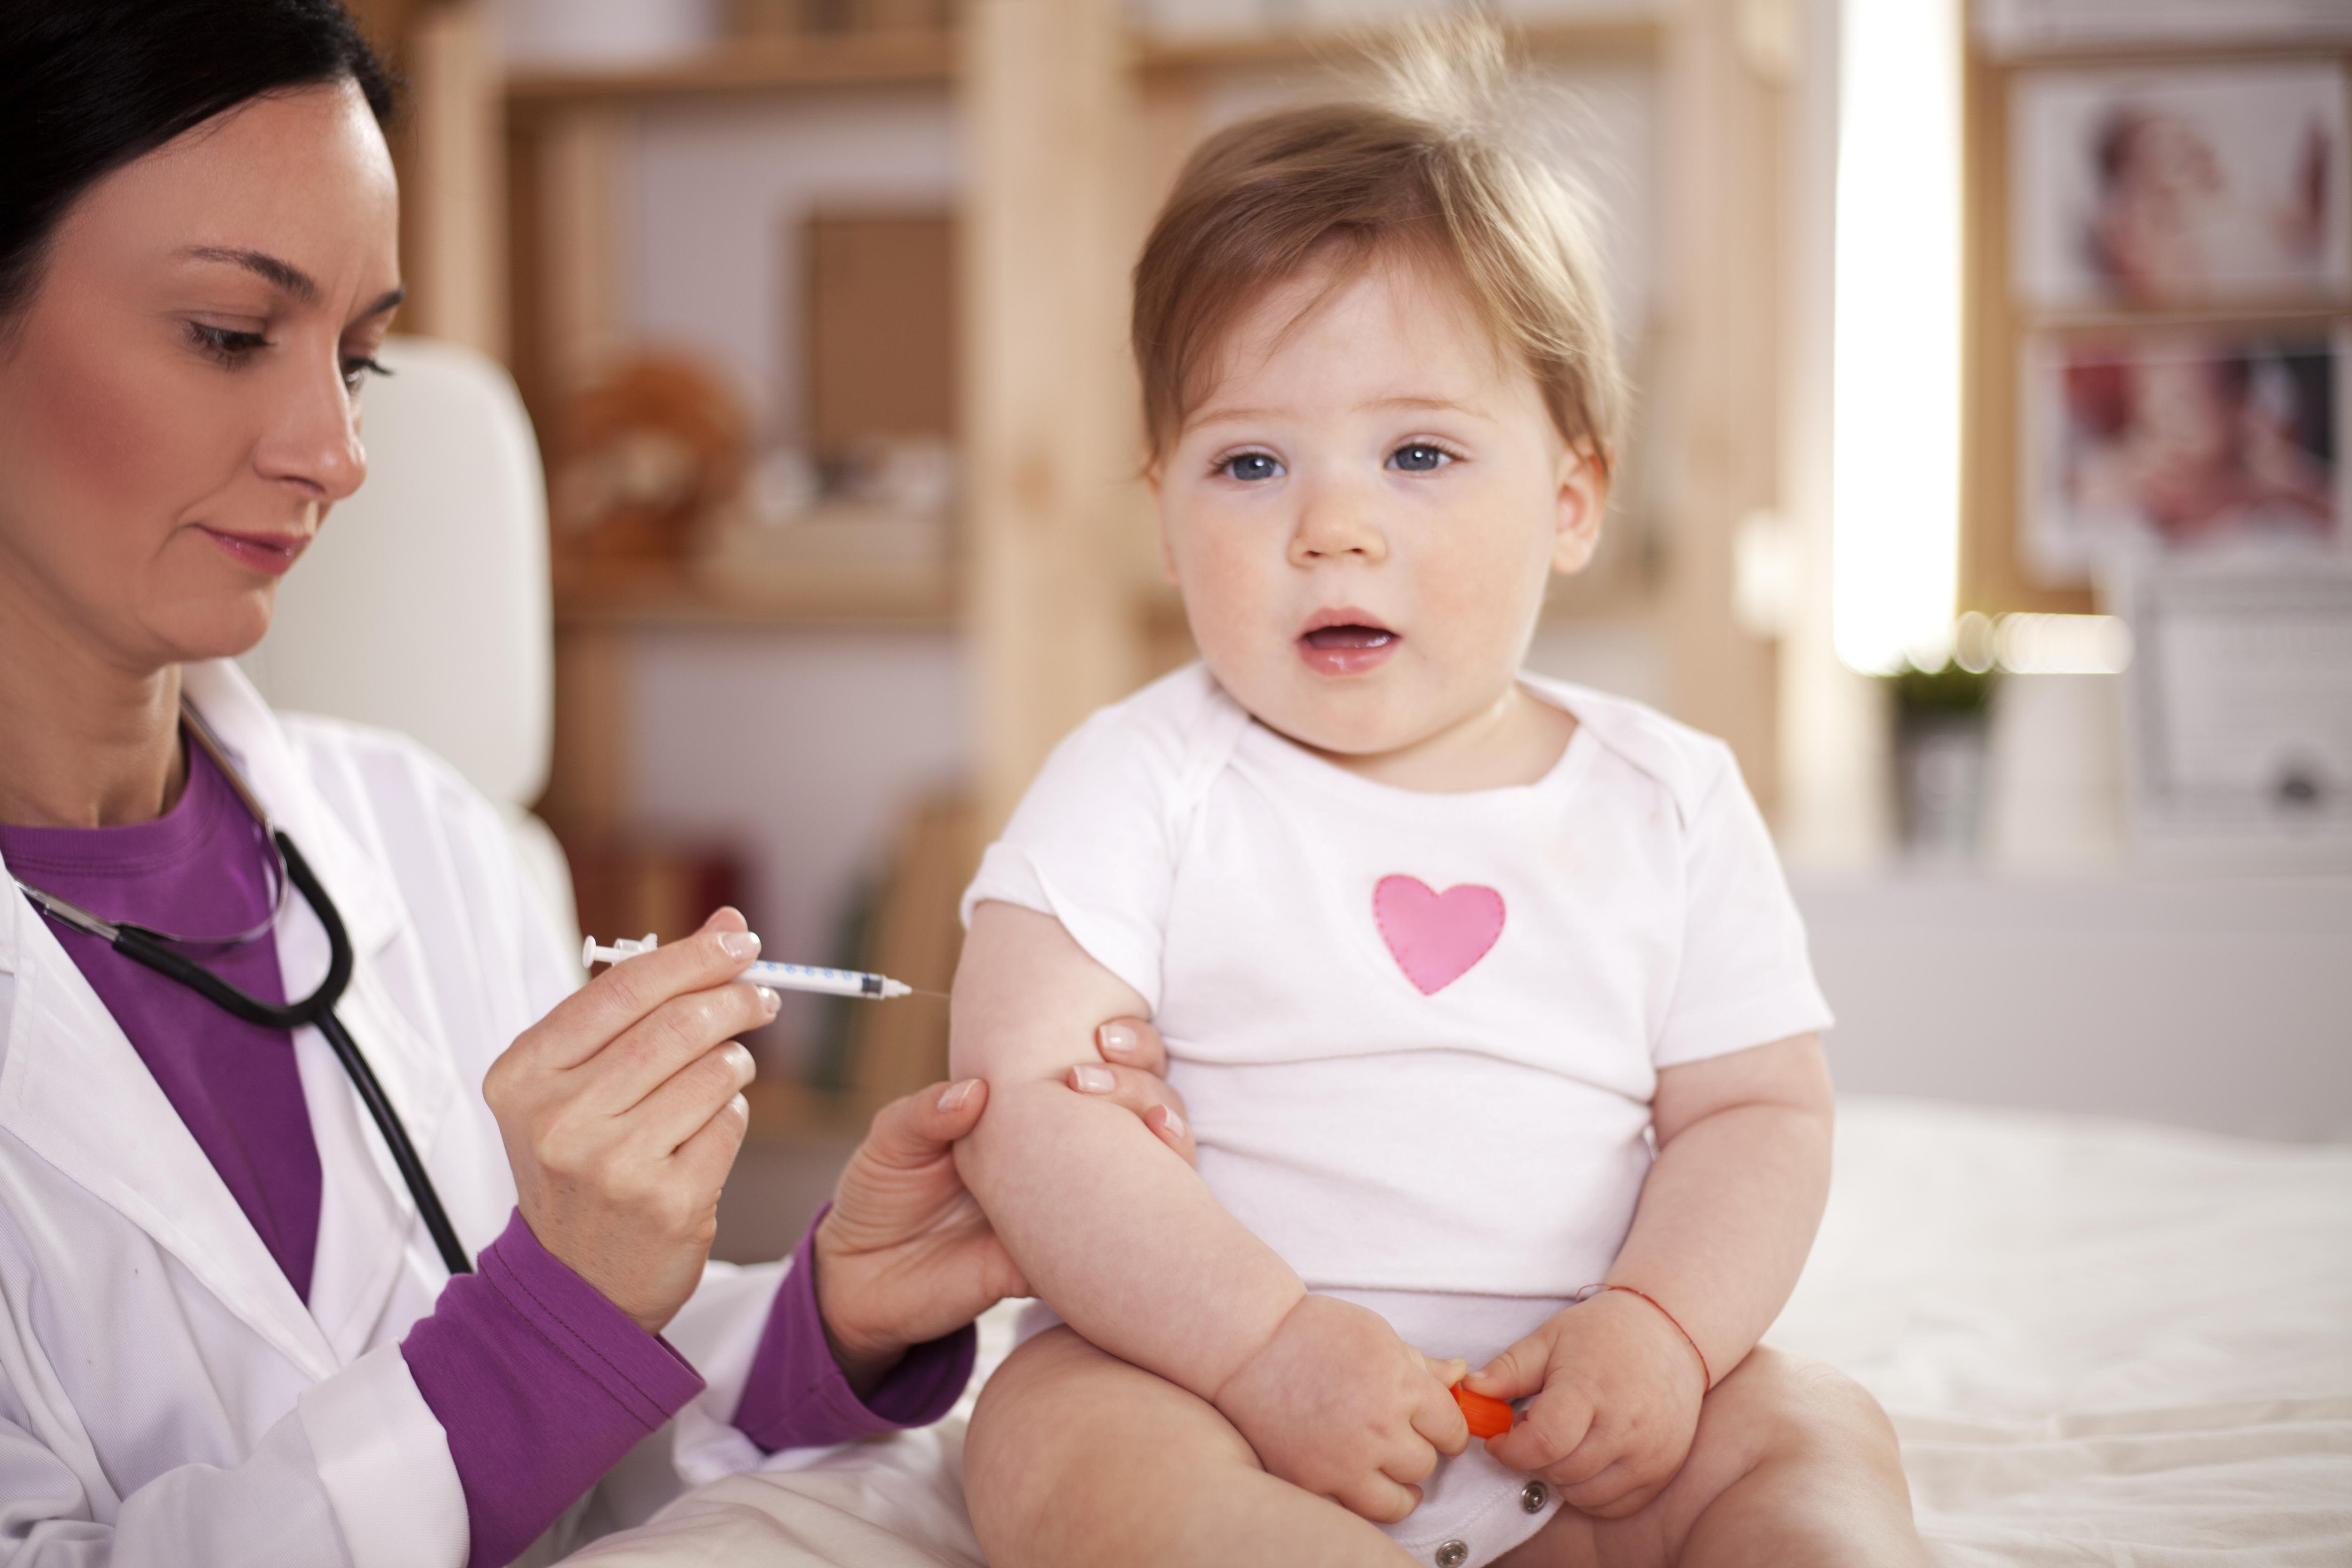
1075 1457
1061 1424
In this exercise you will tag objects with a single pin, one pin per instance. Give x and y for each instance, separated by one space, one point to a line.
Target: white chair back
424 605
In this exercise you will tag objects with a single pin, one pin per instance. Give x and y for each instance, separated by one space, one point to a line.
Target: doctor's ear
1581 502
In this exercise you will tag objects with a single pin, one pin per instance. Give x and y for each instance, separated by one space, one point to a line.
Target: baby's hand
1337 1403
1618 1402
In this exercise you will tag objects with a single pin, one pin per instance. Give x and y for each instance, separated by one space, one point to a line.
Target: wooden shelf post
1047 392
458 253
1722 122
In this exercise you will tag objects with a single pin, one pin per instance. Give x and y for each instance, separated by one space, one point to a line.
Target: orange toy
1488 1417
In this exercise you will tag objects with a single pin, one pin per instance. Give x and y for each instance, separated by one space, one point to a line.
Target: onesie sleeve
1092 841
1745 978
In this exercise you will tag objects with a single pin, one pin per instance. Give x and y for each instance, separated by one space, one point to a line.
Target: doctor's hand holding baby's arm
1725 1218
905 1254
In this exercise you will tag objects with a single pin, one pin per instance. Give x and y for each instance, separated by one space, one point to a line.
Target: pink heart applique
1436 937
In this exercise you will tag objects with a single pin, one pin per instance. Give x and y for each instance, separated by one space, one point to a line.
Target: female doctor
449 1301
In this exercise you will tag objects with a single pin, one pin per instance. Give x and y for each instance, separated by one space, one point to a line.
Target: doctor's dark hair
88 86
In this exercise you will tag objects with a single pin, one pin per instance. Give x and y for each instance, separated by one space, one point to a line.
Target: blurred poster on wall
2009 27
2181 438
2181 187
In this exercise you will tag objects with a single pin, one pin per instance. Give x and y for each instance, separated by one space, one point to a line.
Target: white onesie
1419 1034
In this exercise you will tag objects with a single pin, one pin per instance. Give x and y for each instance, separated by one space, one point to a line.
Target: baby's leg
1076 1458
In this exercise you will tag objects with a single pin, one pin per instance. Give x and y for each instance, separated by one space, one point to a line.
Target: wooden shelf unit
757 65
1602 37
620 596
542 105
749 65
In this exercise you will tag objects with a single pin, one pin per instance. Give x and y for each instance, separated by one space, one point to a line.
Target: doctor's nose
1334 525
313 442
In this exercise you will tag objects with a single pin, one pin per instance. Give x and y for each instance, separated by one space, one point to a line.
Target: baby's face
1362 512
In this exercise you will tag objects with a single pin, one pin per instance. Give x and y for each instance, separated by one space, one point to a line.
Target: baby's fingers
1618 1490
1435 1416
1517 1372
1557 1422
1378 1499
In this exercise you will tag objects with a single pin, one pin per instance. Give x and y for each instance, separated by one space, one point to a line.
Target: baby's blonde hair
1433 161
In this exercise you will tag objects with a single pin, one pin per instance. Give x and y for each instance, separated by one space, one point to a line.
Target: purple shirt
201 870
541 1384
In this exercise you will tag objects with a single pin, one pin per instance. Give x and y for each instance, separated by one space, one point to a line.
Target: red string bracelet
1590 1291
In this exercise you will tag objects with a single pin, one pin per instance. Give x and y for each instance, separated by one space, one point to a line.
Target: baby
1486 993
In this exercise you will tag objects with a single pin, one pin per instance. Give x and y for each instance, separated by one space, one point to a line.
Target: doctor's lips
272 553
1346 641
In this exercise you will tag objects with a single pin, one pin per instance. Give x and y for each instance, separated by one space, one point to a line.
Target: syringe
775 976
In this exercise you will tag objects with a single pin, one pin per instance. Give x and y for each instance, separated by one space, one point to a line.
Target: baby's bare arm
1730 1207
1108 1226
1124 1240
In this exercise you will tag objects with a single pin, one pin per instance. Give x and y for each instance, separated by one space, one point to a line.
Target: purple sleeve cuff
797 1397
542 1385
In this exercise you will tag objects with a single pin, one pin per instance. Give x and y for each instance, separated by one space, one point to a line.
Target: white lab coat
165 1397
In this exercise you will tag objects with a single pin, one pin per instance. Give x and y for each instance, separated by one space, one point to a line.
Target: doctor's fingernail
739 944
1117 1041
955 1094
1092 1080
769 1000
1171 1122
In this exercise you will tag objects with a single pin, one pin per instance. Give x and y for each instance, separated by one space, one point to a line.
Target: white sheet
2101 1343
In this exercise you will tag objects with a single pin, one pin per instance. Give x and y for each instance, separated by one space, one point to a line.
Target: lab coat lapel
75 1091
368 1229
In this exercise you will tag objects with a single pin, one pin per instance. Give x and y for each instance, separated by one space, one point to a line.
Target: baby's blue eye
1250 465
1419 457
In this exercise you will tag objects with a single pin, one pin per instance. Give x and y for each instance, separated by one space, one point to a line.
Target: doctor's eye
1249 466
1420 457
357 368
226 344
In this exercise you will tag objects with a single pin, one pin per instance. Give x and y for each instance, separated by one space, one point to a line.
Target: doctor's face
179 398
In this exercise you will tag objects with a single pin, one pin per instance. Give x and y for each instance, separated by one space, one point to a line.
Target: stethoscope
153 950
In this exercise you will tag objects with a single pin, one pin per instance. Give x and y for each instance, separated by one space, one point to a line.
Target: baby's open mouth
1346 642
1351 636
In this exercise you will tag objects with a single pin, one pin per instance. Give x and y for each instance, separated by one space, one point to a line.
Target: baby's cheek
1236 624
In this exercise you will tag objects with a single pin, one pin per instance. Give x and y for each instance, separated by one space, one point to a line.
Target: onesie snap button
1453 1554
1532 1497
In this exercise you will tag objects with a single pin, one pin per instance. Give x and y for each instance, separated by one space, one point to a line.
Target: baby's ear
1582 499
1154 471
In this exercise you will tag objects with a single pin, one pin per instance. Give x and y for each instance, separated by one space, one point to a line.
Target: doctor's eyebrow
285 277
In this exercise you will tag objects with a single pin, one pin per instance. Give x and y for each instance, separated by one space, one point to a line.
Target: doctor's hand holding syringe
902 1257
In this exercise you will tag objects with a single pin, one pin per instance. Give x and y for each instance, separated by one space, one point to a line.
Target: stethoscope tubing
316 1010
150 950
